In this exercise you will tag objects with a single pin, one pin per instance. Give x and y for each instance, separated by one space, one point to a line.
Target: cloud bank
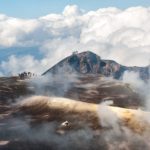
121 35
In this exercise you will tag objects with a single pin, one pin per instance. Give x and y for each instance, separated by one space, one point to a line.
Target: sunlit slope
81 113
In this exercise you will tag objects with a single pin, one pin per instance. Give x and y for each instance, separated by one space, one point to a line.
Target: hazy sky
36 8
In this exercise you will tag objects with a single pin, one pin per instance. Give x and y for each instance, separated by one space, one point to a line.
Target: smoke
119 136
139 86
22 131
26 131
28 136
54 84
108 119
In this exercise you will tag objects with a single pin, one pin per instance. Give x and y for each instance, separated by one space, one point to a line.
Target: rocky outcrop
90 63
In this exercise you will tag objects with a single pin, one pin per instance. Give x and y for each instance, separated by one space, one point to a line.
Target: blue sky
36 8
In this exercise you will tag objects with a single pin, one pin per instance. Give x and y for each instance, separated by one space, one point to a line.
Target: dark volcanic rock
90 63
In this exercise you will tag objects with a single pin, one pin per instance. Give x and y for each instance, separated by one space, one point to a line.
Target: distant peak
88 62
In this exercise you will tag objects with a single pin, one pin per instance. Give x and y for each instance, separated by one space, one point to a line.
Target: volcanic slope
57 119
81 76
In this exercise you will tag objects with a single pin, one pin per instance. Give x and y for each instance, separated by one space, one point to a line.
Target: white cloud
122 35
13 31
139 86
72 10
16 64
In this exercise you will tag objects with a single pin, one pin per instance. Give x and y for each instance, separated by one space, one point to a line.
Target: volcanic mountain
66 108
89 63
81 76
